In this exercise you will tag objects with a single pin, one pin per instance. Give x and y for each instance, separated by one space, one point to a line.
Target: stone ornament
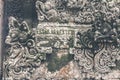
88 30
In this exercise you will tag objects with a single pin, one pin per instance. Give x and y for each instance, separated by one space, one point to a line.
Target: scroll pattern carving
97 48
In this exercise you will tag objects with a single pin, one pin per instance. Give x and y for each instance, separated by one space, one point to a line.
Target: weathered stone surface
73 40
1 25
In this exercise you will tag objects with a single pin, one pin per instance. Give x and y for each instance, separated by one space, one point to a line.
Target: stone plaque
60 40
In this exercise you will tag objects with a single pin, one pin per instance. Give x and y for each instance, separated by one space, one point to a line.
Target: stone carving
84 59
95 48
46 10
75 11
23 56
56 11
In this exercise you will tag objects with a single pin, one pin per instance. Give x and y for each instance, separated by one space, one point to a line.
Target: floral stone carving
73 36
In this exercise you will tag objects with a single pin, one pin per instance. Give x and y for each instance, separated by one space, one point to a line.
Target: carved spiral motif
86 39
99 49
104 61
84 60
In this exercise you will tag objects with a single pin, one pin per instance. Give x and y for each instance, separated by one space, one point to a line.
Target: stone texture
1 25
93 41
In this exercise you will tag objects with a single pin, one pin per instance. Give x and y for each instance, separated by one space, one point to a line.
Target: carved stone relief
73 40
